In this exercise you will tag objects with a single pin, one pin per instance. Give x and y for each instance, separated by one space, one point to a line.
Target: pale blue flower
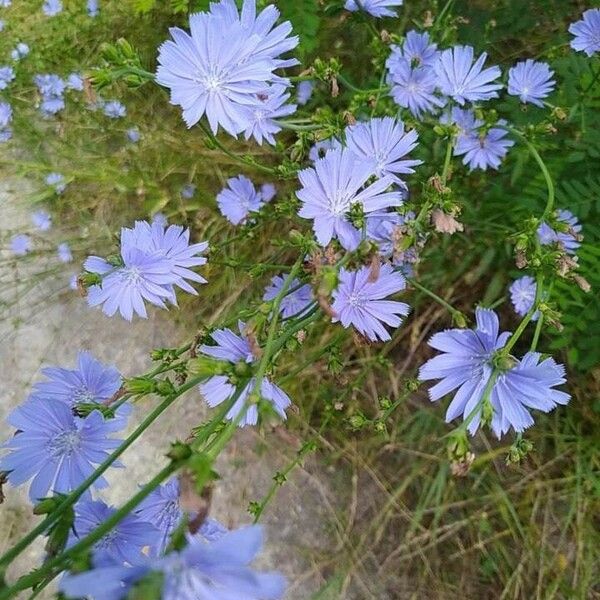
332 187
52 8
417 50
57 181
123 544
522 295
41 220
376 8
586 32
239 199
304 92
114 109
414 87
6 115
263 112
133 135
465 365
226 60
385 143
297 301
483 150
188 191
93 8
20 244
360 300
464 80
56 449
531 81
234 348
75 82
7 74
20 51
566 233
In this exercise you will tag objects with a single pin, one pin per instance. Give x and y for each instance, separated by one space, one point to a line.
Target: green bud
329 281
205 366
179 452
459 319
47 505
254 508
140 386
83 409
164 387
279 478
243 369
357 421
115 260
88 279
384 403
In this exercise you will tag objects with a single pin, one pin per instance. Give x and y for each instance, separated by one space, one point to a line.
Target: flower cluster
225 69
154 260
472 363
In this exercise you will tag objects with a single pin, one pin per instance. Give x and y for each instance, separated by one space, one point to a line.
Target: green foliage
304 16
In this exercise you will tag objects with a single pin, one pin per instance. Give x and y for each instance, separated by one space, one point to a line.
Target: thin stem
358 90
453 311
231 155
447 160
295 127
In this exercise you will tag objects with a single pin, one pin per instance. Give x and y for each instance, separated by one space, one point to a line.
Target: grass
404 526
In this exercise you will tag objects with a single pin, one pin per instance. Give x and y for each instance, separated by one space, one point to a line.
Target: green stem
231 155
447 160
295 127
358 90
453 311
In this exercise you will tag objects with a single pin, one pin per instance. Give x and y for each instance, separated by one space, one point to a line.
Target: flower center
339 204
356 300
84 395
132 275
64 443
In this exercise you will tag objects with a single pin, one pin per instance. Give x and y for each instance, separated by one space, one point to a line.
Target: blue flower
465 365
219 570
162 509
188 191
123 544
376 8
153 260
333 187
304 92
41 220
360 301
52 105
224 63
531 81
529 384
57 181
587 32
464 81
234 348
5 120
160 219
386 144
414 87
75 82
52 8
133 135
297 300
464 119
20 244
91 382
21 50
417 50
268 192
205 569
239 199
266 108
483 150
93 8
114 109
50 85
522 295
55 448
64 252
566 233
7 74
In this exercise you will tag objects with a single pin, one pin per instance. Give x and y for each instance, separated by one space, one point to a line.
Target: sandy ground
48 324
